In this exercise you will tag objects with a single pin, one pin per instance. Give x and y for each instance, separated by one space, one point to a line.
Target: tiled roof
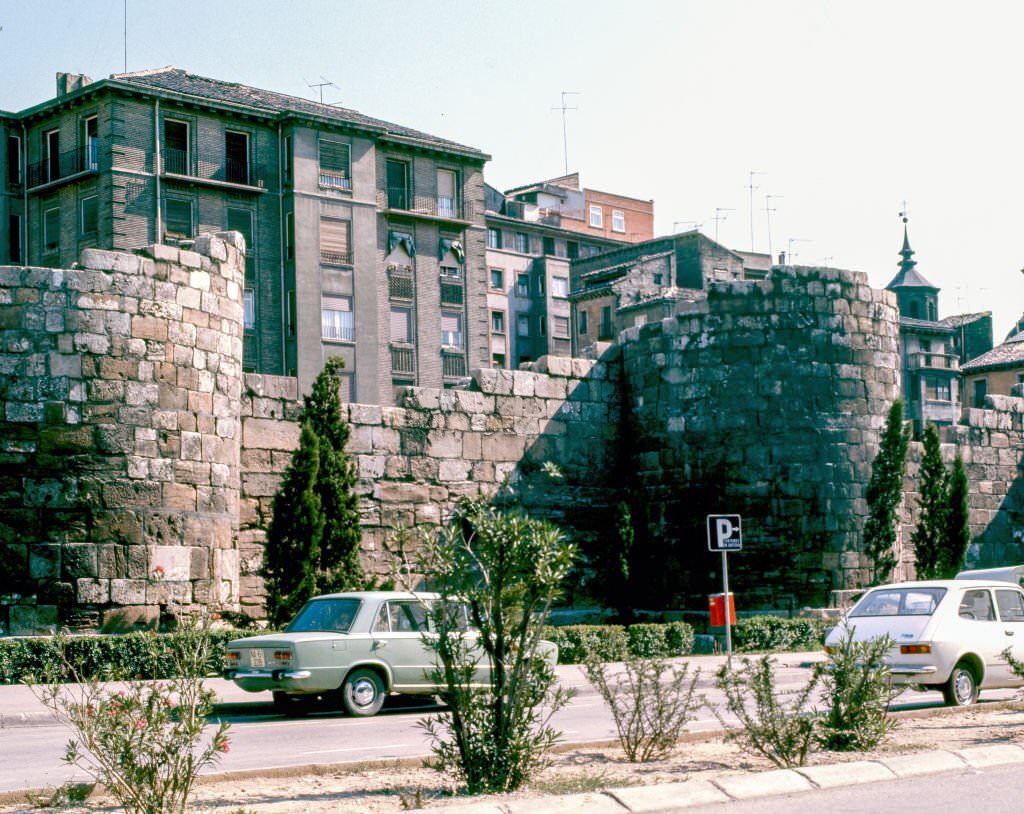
910 278
178 81
957 320
926 325
1009 354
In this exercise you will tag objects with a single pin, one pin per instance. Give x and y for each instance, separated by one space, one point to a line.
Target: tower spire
907 253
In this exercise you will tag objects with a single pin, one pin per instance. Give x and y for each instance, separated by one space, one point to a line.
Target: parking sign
724 532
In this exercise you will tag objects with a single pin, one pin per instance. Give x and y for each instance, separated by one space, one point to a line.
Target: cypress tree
338 568
958 531
929 537
884 492
293 538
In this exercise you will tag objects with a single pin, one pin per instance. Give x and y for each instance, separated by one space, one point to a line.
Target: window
522 285
540 286
176 142
522 325
14 160
51 230
336 318
493 238
583 322
51 144
177 218
980 391
289 159
899 602
89 221
497 279
291 315
397 175
521 242
289 235
559 286
447 194
977 606
1011 605
14 238
236 155
572 249
401 324
249 309
451 329
549 245
498 360
596 217
936 388
497 322
240 220
542 325
606 322
91 144
334 241
335 165
561 327
451 271
618 220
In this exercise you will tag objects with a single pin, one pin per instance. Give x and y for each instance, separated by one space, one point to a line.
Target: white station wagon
949 634
351 649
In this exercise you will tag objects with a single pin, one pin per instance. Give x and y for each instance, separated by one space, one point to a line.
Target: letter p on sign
724 532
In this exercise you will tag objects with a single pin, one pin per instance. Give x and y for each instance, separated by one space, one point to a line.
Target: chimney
782 258
70 82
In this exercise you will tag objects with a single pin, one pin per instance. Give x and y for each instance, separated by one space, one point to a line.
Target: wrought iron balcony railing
334 180
935 361
231 171
403 360
57 167
336 258
402 199
453 364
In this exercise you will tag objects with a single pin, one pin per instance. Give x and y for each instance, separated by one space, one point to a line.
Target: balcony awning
454 246
403 239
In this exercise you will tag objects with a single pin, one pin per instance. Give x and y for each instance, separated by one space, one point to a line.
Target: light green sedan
351 649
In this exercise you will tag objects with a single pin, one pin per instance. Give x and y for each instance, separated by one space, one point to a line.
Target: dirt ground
400 787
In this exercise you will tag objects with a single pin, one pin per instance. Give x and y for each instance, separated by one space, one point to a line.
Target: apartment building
365 238
530 246
644 282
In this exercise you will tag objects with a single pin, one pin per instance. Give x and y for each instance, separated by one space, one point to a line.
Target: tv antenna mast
792 240
751 187
565 137
721 213
696 225
768 209
323 83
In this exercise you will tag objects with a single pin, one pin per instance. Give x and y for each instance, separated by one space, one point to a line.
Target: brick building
533 233
365 239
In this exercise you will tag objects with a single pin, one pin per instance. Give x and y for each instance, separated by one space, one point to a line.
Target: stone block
128 619
128 591
261 433
92 591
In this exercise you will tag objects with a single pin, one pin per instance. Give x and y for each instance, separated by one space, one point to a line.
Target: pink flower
224 747
140 724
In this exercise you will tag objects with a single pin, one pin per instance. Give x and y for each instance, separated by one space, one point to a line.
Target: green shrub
647 641
775 633
130 655
578 642
679 638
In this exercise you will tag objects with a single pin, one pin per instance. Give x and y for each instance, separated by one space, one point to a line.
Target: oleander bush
144 655
778 633
581 643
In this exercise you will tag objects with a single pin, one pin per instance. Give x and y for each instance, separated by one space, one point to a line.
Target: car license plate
256 658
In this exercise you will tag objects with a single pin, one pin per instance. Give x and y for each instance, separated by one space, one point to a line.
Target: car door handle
1008 632
378 643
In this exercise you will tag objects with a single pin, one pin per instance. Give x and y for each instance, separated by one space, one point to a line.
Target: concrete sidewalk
20 707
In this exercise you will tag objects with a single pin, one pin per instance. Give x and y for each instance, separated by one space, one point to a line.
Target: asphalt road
30 757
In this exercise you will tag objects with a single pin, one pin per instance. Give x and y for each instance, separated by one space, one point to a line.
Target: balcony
402 199
336 258
229 173
82 160
452 293
400 284
334 180
403 360
453 364
933 361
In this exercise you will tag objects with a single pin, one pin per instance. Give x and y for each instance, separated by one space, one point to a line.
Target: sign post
725 535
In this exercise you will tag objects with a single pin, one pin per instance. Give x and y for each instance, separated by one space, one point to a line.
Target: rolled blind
400 325
334 236
334 157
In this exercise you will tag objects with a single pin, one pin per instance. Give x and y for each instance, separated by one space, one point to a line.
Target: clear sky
847 108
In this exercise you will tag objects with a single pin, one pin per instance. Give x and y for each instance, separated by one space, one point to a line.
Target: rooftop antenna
721 213
126 36
323 83
768 209
695 225
565 137
751 187
793 240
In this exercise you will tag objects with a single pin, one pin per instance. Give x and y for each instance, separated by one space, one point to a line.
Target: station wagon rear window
900 602
330 615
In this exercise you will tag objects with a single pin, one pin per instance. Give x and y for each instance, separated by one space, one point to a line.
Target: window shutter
400 325
334 157
450 323
334 240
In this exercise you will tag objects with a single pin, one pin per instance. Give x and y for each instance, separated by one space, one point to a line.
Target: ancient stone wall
417 459
765 400
120 387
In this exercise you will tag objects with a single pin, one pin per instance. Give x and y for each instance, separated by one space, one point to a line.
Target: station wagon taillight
231 658
283 655
915 649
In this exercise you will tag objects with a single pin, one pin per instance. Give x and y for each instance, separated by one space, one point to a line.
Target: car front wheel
961 689
362 694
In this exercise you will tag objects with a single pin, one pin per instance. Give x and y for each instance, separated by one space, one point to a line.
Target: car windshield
333 615
899 602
